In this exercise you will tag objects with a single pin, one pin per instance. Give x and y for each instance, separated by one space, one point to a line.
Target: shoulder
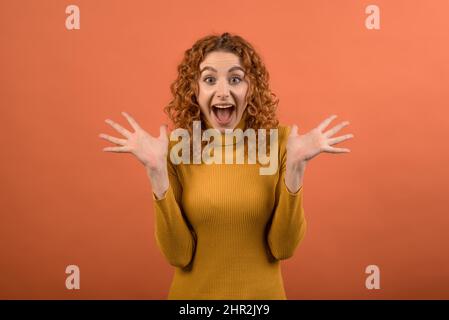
283 132
283 128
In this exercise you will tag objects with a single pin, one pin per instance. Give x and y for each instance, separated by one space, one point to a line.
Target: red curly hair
184 108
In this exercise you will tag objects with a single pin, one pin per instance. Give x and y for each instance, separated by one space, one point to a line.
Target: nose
223 90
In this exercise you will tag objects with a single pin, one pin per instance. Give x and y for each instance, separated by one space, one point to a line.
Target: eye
209 80
236 80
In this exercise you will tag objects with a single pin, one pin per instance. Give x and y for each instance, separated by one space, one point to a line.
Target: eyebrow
230 70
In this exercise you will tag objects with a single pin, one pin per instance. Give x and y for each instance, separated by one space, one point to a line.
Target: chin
231 126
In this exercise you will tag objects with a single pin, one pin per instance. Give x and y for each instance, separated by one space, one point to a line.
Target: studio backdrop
377 216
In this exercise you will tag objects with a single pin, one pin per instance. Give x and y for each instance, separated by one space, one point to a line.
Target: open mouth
223 113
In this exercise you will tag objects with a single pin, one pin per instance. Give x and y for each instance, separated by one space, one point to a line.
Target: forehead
220 60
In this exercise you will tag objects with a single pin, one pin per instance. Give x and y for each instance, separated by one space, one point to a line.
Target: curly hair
184 108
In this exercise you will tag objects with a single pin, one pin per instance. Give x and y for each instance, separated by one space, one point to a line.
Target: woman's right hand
150 151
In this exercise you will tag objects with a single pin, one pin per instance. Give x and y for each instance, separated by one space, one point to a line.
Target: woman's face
222 90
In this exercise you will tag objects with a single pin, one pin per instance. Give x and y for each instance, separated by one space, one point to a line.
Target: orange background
65 201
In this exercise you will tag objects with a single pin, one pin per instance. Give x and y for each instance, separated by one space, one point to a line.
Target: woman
225 227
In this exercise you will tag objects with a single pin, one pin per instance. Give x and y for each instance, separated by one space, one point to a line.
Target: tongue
223 115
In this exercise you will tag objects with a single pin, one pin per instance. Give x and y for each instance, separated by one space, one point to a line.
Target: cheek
204 93
241 93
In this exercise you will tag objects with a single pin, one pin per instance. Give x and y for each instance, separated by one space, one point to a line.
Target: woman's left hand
302 148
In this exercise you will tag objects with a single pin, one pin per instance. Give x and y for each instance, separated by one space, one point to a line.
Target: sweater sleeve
288 225
174 235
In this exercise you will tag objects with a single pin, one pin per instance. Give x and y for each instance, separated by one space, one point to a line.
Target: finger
119 128
335 129
335 150
163 131
131 121
113 139
294 131
339 139
117 149
326 122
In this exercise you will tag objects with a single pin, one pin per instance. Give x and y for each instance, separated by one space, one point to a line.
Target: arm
288 224
174 236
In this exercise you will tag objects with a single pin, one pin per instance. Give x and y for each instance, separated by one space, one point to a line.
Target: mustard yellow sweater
225 228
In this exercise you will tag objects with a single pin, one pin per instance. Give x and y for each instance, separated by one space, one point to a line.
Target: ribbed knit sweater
225 228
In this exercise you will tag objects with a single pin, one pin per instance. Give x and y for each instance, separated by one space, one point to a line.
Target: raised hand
150 151
302 148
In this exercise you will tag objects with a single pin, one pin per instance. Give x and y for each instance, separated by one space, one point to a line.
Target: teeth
223 106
